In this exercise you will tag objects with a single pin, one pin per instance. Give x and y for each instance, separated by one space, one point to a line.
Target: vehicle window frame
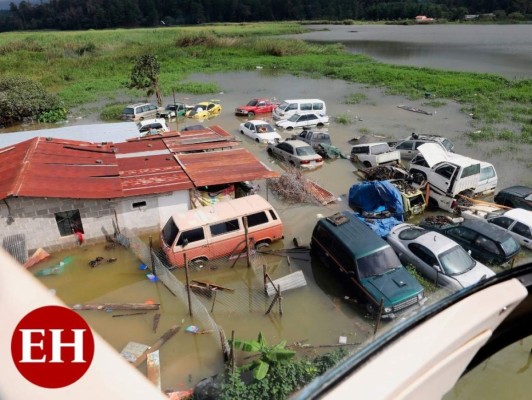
192 239
527 236
224 227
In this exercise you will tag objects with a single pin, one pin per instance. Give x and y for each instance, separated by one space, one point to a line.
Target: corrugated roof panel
139 146
152 174
226 166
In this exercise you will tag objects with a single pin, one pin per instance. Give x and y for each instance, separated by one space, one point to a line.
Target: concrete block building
56 192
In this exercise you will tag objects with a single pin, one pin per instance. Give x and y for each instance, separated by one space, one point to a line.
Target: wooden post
116 219
427 194
154 272
232 354
272 303
213 300
246 233
267 188
280 300
188 285
379 315
264 276
176 116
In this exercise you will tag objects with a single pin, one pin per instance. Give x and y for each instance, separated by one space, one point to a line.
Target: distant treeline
101 14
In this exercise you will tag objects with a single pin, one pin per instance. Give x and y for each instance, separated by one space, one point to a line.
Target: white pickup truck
373 154
447 174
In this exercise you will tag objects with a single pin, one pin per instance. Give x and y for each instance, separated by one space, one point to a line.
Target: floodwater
318 313
500 49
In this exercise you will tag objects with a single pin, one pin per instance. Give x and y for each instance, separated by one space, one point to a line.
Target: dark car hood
394 286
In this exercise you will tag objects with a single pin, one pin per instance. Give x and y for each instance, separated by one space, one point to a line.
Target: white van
299 106
487 182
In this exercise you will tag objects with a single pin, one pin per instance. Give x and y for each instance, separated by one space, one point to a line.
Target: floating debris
383 173
294 187
413 109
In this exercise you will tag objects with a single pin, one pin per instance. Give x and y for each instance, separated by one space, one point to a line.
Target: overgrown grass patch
343 119
112 112
435 103
355 98
428 285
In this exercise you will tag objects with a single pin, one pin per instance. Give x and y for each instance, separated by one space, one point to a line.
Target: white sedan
436 257
296 153
303 121
260 130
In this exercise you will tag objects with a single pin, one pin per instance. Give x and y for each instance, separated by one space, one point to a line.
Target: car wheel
251 114
367 164
289 128
270 152
320 125
262 244
242 132
196 262
257 140
141 119
292 163
371 309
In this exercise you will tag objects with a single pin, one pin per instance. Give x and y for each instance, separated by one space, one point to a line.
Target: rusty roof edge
25 165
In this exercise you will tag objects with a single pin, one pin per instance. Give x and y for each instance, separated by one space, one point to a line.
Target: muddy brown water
318 312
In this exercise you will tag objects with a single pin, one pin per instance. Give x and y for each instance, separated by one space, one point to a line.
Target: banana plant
268 355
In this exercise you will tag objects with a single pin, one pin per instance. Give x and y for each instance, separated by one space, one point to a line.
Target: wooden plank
162 340
116 306
154 368
208 285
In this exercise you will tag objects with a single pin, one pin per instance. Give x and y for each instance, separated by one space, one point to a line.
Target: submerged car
256 106
174 110
515 197
486 242
518 223
303 121
408 147
436 257
259 130
204 110
296 153
152 126
346 245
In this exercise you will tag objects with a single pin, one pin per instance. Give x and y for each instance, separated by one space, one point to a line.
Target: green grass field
84 66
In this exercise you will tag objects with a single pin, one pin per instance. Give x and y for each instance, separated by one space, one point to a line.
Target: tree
22 98
145 75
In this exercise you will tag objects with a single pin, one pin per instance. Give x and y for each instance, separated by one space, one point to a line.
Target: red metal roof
152 174
44 167
228 166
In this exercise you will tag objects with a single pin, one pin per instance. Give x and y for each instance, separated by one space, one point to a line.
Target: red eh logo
52 347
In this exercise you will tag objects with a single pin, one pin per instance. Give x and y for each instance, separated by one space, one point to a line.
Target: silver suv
408 147
140 111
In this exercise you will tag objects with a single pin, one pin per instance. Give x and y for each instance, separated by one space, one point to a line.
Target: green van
345 243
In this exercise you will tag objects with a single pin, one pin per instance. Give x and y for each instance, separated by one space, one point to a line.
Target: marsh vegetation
82 67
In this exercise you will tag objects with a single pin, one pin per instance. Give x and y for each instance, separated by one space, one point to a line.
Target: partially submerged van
216 231
346 244
299 106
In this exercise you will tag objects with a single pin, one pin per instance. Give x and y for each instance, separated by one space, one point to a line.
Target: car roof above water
358 237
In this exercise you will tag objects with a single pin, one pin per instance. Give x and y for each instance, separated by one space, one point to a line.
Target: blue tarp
376 197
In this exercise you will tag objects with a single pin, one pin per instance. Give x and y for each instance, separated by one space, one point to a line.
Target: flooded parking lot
318 313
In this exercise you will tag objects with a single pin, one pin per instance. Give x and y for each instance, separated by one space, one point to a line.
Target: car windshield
294 118
378 263
305 151
264 128
456 261
510 246
447 144
252 103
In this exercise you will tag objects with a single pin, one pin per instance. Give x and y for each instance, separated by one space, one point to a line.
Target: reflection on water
499 49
